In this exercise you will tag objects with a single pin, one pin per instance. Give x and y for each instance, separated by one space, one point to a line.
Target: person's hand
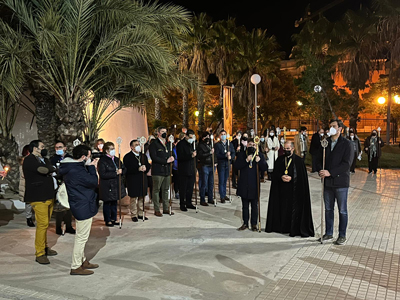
380 142
3 174
366 149
119 171
94 162
258 158
194 154
228 155
142 168
238 149
249 158
212 151
324 173
170 159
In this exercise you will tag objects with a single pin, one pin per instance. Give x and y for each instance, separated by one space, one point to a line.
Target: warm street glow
397 99
381 100
210 113
196 113
299 103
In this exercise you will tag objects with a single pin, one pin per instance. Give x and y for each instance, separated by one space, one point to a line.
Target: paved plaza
203 256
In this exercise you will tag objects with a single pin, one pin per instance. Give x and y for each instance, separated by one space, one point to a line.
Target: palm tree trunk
72 123
185 107
200 108
354 108
9 155
157 109
46 120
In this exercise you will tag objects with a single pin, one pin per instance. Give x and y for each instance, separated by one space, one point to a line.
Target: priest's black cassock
289 208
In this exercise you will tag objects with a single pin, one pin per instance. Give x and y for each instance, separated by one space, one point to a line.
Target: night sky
278 16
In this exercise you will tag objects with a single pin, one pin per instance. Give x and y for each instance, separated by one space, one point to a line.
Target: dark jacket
367 145
134 178
109 180
221 151
58 158
204 155
38 187
315 145
337 162
81 182
247 184
159 154
186 162
358 145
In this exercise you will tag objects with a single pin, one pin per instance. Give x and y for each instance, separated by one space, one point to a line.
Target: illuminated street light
381 100
196 113
299 103
397 99
210 113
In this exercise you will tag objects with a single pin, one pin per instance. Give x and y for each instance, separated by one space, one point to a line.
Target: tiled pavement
202 256
367 267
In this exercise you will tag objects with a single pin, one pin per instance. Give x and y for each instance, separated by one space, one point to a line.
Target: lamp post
255 79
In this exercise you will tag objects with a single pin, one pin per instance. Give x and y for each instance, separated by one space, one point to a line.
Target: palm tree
194 59
88 47
356 35
257 53
13 50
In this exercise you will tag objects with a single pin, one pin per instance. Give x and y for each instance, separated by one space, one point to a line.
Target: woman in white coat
273 146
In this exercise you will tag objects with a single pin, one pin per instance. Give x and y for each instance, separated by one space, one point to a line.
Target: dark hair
81 150
250 140
204 134
326 129
25 150
223 130
189 131
302 128
161 127
99 140
34 144
108 145
59 142
131 143
339 122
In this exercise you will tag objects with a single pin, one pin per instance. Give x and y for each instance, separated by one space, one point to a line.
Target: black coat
58 158
247 184
220 153
134 177
204 155
337 162
38 187
109 180
81 182
159 154
289 206
315 145
186 163
367 144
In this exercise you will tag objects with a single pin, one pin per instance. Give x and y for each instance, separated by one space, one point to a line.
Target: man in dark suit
339 157
225 153
186 169
137 166
246 162
161 155
315 147
39 192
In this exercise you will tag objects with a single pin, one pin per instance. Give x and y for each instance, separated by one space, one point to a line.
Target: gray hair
291 144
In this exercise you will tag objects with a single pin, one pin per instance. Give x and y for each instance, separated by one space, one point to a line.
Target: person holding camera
80 178
109 168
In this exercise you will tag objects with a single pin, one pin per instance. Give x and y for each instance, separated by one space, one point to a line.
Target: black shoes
141 218
222 200
135 219
70 230
110 224
254 228
183 208
243 227
203 203
29 222
190 206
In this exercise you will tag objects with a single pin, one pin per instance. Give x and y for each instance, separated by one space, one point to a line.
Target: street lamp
255 79
397 99
381 100
210 113
299 103
196 113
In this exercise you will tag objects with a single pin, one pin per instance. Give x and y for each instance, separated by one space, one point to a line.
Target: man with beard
246 162
289 207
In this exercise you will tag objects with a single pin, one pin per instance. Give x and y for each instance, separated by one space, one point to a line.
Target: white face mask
88 161
190 141
352 137
112 152
271 134
332 131
138 148
321 134
100 146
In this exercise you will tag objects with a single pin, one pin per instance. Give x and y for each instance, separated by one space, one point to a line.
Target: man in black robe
289 208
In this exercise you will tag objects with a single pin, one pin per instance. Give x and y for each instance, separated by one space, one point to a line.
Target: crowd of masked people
166 167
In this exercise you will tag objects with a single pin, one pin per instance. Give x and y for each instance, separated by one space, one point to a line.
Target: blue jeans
340 194
110 211
223 173
207 184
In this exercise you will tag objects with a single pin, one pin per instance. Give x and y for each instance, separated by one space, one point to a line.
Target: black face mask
288 153
251 150
164 135
43 152
374 134
244 138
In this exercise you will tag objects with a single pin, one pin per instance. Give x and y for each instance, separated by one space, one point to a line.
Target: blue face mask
223 137
60 152
262 139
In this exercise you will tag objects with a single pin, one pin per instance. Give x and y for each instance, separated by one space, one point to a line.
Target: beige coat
297 145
